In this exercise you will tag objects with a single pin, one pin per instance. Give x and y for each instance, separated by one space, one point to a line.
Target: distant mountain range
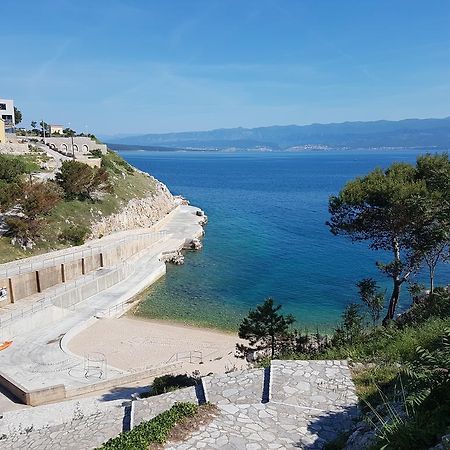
382 133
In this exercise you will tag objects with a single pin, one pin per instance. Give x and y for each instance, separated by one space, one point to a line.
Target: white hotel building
7 112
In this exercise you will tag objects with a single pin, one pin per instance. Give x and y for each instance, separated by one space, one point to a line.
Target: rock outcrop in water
176 258
137 213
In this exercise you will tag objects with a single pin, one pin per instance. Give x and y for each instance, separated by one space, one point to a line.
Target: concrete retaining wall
35 397
58 392
61 303
73 270
81 145
49 277
32 282
23 285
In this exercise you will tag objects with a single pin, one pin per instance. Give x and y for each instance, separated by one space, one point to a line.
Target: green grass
154 431
384 346
10 252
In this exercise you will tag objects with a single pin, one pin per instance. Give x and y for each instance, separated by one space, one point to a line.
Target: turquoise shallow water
266 234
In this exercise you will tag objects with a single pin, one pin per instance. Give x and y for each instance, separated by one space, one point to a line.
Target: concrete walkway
38 359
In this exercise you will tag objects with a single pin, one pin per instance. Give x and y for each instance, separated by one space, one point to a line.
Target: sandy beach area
133 344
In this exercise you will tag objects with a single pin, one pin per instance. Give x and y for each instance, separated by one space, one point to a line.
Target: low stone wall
93 162
13 148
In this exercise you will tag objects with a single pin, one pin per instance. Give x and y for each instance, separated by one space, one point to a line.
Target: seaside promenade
38 359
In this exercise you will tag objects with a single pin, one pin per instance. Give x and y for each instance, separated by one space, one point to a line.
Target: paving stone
311 401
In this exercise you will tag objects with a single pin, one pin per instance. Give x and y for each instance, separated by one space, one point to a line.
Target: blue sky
129 66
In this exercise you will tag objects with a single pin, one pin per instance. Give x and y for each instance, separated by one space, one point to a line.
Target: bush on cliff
36 201
11 168
82 182
113 162
74 234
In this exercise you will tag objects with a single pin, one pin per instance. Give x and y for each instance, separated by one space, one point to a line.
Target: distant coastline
296 149
401 134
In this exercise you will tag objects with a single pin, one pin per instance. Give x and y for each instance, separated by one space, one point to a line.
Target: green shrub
74 234
154 431
114 163
424 385
9 193
168 383
11 168
97 153
80 181
434 305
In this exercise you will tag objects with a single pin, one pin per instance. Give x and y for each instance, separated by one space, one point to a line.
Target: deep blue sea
266 234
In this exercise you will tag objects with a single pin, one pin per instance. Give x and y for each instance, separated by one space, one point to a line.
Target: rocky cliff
137 213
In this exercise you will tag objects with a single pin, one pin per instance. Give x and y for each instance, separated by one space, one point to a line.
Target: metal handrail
68 255
46 302
179 356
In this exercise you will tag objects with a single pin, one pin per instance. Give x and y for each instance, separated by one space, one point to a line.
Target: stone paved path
82 434
76 424
307 404
236 388
310 403
325 385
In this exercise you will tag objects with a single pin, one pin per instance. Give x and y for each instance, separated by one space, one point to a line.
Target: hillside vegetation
49 215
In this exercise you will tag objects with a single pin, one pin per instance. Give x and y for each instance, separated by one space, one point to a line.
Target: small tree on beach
264 326
351 326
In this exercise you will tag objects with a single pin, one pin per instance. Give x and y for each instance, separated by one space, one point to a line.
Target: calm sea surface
266 235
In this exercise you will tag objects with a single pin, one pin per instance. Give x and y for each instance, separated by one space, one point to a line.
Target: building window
3 106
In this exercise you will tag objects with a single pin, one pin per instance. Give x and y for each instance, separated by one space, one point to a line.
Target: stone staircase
235 387
291 405
321 385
